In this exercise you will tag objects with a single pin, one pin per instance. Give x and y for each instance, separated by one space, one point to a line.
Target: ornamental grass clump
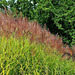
21 57
22 26
26 48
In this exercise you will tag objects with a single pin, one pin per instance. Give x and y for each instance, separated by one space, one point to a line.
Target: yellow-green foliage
20 57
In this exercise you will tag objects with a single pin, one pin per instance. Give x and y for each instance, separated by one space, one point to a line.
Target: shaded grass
18 56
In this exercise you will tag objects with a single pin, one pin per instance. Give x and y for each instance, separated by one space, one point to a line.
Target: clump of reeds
22 26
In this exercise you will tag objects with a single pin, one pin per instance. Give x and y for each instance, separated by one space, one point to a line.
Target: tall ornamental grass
18 56
28 49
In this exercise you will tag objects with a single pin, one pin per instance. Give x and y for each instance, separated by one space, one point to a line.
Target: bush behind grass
18 56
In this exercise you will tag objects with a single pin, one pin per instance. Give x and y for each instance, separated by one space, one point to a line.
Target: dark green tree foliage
59 15
24 6
3 3
65 19
12 5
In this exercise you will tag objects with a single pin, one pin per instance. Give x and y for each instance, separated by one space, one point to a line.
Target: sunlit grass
18 56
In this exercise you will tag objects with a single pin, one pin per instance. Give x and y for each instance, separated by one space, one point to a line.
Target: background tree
59 15
24 6
3 3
